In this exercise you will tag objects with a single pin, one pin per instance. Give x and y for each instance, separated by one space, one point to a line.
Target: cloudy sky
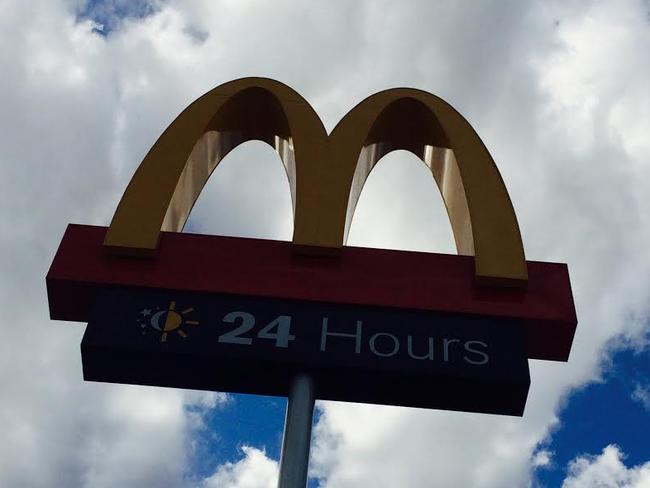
558 90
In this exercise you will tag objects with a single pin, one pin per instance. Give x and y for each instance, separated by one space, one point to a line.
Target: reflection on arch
401 208
234 204
407 124
252 114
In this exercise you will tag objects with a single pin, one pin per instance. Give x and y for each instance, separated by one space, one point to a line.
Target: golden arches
326 173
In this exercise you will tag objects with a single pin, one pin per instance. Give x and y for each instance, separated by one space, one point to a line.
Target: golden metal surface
326 173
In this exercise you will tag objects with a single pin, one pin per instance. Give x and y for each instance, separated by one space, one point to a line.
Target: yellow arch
479 207
169 180
326 174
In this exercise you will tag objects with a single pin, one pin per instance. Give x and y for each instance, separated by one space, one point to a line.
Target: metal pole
296 441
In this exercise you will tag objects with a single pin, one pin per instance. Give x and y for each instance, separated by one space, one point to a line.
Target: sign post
296 440
314 317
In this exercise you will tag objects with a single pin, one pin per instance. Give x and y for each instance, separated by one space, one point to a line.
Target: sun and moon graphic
166 320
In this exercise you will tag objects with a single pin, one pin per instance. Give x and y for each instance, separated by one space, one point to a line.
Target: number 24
278 329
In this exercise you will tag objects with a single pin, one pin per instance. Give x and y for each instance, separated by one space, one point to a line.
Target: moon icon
172 320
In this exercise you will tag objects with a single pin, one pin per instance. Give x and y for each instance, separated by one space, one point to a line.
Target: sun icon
169 320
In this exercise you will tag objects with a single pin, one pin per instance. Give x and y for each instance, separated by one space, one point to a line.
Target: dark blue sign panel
355 353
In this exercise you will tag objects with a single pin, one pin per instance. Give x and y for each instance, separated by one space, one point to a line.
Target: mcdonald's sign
370 325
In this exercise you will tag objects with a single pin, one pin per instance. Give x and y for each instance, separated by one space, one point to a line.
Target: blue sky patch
109 14
251 420
599 414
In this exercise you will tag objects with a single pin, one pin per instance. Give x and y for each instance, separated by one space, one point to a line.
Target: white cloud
606 471
641 394
557 90
542 458
254 470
